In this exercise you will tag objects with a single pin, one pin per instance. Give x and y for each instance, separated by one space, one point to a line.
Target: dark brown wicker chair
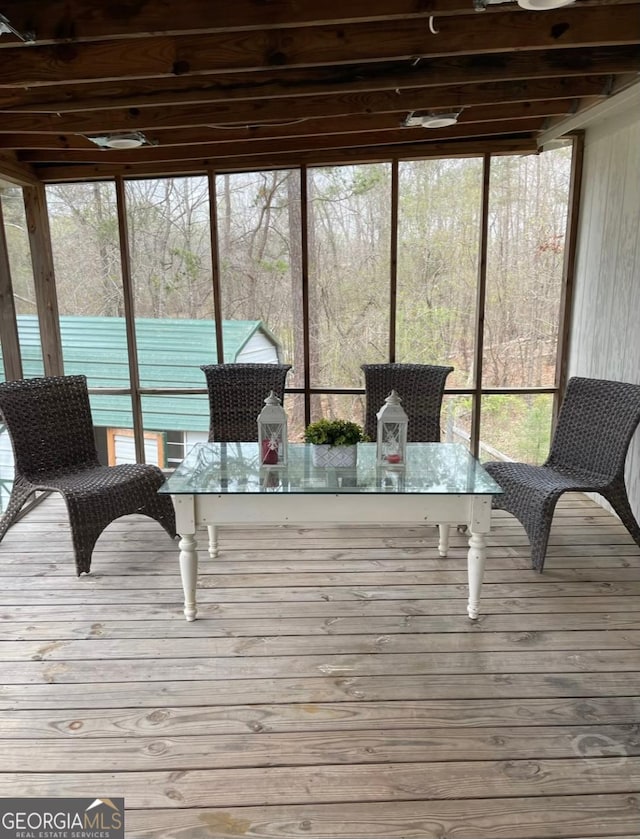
236 397
421 388
49 422
596 423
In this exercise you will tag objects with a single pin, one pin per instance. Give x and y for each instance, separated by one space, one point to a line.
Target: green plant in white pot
335 442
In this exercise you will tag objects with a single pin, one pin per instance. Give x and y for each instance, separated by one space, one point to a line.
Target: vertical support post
215 264
8 324
568 272
35 205
304 230
480 307
129 314
393 258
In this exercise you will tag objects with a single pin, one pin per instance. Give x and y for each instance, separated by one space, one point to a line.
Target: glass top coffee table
224 484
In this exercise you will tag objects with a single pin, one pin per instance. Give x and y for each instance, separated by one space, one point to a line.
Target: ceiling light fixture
133 140
7 29
530 5
543 5
432 120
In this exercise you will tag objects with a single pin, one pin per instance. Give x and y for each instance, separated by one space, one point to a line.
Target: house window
121 447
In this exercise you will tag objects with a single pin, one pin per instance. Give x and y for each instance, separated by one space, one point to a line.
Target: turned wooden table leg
475 568
213 541
189 574
443 544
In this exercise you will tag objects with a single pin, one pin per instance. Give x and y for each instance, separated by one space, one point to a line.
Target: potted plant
334 442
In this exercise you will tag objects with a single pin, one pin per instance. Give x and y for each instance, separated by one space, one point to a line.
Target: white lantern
392 433
272 433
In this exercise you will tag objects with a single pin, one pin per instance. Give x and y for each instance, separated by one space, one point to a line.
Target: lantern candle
270 451
272 433
391 433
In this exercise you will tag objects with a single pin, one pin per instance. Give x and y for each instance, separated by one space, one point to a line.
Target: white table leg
213 541
443 544
189 573
475 570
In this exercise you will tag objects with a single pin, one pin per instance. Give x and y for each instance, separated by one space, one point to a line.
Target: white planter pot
335 456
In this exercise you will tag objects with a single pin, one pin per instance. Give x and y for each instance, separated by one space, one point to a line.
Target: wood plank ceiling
256 83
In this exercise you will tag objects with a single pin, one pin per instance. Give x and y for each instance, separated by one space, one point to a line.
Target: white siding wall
258 350
605 338
125 449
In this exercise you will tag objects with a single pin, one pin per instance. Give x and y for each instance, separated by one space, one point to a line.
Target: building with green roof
170 352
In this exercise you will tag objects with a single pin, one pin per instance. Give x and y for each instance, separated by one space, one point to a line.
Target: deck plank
175 721
410 745
334 783
578 817
299 645
394 624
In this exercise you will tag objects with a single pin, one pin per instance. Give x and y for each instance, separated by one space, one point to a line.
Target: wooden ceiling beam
144 156
284 82
522 144
79 20
83 20
16 172
620 84
288 110
434 72
313 127
164 56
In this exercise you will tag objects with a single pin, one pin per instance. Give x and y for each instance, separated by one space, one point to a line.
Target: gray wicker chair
421 388
236 397
49 422
596 423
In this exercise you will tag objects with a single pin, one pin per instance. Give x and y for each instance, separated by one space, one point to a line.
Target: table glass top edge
430 469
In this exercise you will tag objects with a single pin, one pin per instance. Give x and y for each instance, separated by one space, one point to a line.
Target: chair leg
20 491
537 525
539 541
83 545
88 519
85 532
619 500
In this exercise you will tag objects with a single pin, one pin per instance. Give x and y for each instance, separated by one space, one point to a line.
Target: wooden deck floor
332 687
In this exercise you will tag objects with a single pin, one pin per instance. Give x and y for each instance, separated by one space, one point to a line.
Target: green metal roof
170 353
